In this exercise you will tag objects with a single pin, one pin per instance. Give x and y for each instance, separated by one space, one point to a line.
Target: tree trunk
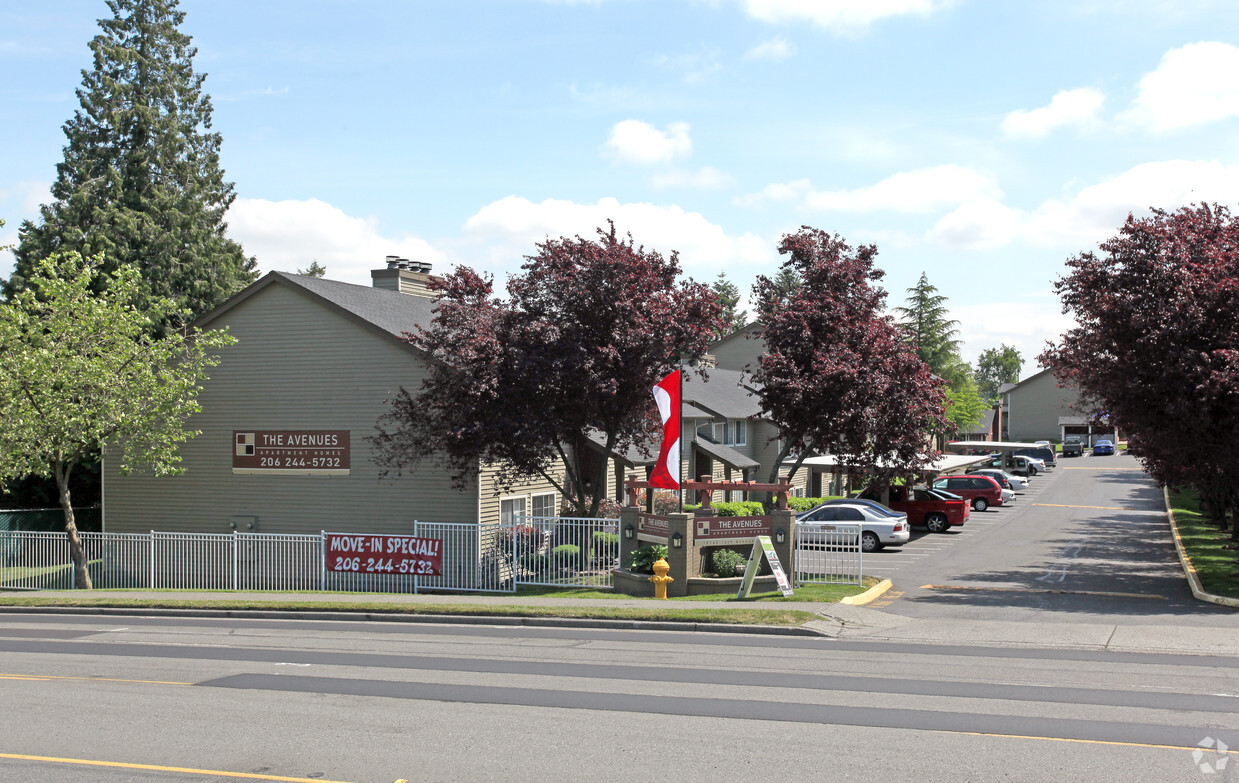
81 575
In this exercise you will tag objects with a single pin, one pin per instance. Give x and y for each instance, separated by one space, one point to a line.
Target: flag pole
680 366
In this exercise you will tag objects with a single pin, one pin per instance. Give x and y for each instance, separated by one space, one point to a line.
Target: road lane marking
1104 508
158 768
41 677
1085 741
1039 590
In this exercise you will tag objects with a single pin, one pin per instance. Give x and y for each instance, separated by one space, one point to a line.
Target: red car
926 507
983 491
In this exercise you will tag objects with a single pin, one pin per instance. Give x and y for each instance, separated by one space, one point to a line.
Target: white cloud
1193 85
693 68
978 225
1093 214
774 49
1025 323
289 235
921 190
634 141
841 16
705 178
25 198
1068 107
508 229
781 192
1098 211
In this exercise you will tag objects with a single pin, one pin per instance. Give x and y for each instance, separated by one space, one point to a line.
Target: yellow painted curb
1193 581
871 594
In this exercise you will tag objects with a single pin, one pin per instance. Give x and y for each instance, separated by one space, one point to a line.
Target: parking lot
1089 537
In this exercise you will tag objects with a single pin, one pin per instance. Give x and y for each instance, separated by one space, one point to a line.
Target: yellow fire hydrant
660 578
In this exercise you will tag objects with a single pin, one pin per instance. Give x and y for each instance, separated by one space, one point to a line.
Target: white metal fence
828 556
576 551
476 557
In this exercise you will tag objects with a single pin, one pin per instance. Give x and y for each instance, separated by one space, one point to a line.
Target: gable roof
386 312
727 394
984 422
1009 387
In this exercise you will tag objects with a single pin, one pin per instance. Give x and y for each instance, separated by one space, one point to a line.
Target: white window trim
506 498
739 426
554 496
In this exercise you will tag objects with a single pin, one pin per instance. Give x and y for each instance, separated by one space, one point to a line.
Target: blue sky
980 142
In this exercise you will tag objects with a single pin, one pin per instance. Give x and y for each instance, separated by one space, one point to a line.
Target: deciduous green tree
141 181
79 369
995 367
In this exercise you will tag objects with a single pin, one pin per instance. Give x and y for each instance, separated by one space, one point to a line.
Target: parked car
1103 447
1019 463
1046 455
1073 446
931 508
981 491
878 528
1005 480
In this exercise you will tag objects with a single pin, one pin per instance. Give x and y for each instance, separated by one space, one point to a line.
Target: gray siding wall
1034 408
490 497
737 351
296 365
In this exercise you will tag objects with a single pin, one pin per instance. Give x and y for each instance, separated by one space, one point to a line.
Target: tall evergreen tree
729 297
141 181
929 328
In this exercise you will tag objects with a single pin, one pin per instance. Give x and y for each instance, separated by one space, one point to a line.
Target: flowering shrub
524 539
607 509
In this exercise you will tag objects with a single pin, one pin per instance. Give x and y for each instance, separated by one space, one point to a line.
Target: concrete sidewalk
837 621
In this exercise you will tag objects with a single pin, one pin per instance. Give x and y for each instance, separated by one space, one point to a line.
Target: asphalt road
89 698
1088 539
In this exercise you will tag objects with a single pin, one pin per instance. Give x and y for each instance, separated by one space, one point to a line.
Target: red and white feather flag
666 473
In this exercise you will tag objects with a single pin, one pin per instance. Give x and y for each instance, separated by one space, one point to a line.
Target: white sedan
880 526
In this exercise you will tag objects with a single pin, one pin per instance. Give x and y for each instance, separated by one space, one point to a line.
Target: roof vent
391 261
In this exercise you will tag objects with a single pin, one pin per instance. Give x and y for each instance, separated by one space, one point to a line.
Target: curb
872 594
438 619
1193 579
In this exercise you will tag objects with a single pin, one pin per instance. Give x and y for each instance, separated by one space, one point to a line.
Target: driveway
1087 539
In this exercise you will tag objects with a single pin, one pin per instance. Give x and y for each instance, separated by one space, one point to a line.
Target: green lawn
758 609
815 593
1207 547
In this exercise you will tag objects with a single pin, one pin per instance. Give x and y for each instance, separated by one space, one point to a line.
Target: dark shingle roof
386 311
724 394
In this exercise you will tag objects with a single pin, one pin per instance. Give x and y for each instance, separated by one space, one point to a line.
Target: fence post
322 560
151 584
236 556
416 578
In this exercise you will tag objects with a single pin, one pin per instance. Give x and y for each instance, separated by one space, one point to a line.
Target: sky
980 143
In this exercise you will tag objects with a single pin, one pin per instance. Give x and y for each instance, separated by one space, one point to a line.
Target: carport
840 482
1006 448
